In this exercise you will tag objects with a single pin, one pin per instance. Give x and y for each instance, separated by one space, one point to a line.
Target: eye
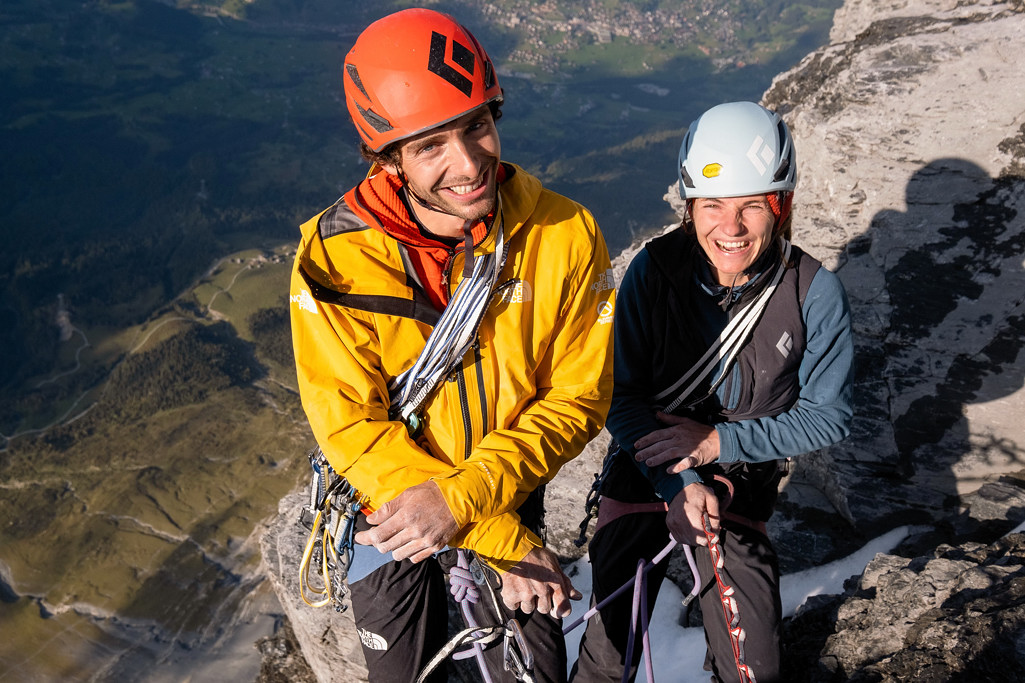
425 148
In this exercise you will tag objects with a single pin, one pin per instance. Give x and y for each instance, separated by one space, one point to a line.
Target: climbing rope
729 605
640 605
454 333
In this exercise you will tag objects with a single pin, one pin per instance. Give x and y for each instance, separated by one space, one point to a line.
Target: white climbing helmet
737 149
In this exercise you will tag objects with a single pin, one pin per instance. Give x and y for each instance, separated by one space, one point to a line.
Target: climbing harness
593 501
465 580
729 606
330 518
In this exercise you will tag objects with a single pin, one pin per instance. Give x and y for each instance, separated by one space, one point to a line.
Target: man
375 273
733 353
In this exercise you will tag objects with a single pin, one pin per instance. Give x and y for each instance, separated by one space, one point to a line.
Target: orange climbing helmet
412 71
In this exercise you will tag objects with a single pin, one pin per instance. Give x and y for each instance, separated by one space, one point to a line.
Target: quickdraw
729 605
330 518
593 501
465 580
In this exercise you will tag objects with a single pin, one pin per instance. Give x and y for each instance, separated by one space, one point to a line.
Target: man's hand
690 443
415 524
686 514
538 582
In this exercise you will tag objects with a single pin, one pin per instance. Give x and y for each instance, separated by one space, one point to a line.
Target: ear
391 168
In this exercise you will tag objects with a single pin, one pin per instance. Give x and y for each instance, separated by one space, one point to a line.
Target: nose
731 222
464 158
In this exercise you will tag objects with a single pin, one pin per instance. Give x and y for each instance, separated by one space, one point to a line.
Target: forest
144 140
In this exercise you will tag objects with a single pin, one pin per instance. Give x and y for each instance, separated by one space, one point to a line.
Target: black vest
763 381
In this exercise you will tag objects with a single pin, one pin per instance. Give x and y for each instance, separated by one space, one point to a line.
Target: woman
733 354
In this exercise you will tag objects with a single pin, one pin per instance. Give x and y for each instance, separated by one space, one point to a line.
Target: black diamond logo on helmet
461 55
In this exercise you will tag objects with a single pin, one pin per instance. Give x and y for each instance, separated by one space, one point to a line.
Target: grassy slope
143 506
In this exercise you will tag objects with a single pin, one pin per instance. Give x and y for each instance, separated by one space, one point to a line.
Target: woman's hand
689 443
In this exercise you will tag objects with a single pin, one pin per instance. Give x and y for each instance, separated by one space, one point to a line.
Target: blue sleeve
823 412
632 414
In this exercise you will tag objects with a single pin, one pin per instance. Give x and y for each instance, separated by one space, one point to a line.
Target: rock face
910 131
910 128
948 605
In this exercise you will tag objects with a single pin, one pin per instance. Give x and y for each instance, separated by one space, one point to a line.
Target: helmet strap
414 196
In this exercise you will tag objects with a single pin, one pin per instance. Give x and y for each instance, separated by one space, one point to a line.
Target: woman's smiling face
733 232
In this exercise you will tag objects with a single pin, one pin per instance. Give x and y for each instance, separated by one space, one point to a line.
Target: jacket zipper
464 401
481 393
464 404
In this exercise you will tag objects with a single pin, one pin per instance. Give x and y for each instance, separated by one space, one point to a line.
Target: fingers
413 525
712 510
658 453
686 463
381 514
526 598
401 541
652 438
687 511
561 605
538 583
544 597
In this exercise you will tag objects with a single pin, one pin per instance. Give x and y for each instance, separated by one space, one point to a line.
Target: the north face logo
605 282
371 640
517 293
304 300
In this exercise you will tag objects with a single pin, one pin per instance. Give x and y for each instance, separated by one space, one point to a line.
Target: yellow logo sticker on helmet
711 170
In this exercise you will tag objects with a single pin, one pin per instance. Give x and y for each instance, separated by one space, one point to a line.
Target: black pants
401 611
750 567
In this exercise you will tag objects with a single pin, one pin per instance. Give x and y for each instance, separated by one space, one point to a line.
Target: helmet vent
783 141
687 180
461 55
489 75
781 172
380 124
354 76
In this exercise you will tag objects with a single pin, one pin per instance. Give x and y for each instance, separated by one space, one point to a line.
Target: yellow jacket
525 403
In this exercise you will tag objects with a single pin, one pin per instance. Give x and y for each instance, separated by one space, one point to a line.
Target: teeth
465 189
729 246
